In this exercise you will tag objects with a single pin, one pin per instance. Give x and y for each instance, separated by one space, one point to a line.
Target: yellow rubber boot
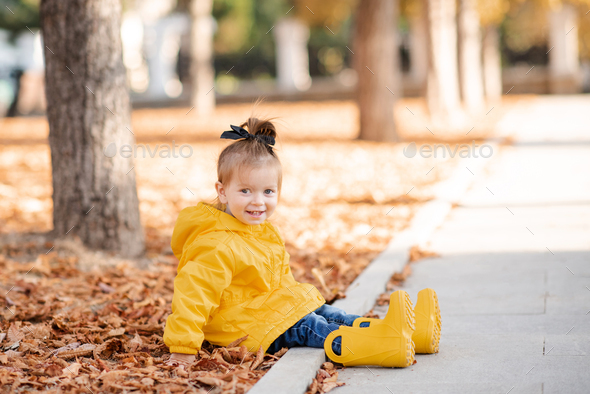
426 337
428 322
388 344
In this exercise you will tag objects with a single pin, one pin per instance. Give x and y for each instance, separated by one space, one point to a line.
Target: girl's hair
248 154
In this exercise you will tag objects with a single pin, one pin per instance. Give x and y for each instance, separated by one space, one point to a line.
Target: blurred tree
94 191
201 53
584 29
416 15
492 13
330 13
443 81
375 60
235 23
549 32
564 57
470 61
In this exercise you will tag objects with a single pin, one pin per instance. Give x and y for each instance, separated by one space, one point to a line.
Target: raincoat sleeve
198 286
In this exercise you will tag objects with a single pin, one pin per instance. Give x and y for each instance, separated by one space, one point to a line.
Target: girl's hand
181 359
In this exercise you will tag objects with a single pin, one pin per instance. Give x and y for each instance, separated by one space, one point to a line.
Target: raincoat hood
204 219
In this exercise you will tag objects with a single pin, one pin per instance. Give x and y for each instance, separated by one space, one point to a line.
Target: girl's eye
269 190
243 190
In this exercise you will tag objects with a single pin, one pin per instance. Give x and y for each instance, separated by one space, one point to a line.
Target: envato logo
163 151
464 150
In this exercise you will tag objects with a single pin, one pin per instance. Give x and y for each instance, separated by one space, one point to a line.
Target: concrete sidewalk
513 278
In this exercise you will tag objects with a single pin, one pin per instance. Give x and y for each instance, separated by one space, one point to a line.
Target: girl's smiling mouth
255 213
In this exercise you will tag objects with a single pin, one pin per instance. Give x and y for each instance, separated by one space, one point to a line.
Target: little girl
234 280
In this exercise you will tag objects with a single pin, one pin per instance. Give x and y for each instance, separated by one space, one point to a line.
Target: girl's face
252 197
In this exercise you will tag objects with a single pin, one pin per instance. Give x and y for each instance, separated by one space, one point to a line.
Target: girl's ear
220 192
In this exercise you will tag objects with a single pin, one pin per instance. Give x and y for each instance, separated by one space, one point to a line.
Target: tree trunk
492 67
292 60
419 48
564 64
376 62
88 109
470 56
201 69
443 80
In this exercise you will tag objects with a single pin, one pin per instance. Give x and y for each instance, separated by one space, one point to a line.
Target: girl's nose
258 200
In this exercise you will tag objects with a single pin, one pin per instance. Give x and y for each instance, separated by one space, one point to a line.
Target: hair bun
261 127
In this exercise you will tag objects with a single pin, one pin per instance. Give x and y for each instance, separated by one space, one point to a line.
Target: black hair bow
238 133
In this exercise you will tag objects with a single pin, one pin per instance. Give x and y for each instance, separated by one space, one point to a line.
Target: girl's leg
337 316
311 331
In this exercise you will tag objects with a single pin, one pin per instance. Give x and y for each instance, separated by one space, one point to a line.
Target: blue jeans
313 329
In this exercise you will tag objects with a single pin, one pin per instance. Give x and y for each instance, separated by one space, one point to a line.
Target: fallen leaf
13 354
237 341
106 288
331 385
14 334
53 370
258 360
116 332
211 381
72 370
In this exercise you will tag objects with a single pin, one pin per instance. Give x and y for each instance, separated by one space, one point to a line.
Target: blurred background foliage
17 15
244 39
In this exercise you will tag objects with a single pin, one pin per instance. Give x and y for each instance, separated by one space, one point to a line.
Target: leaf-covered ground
76 320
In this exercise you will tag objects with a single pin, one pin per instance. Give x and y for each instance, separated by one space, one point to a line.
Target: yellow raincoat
233 279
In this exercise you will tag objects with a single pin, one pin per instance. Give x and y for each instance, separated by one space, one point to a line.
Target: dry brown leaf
112 376
2 336
281 352
331 385
84 350
332 378
244 354
320 277
371 315
106 349
416 253
238 341
180 371
383 299
106 288
14 334
151 327
226 356
72 370
322 375
117 332
399 277
325 380
13 354
29 347
313 387
258 360
53 370
211 381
